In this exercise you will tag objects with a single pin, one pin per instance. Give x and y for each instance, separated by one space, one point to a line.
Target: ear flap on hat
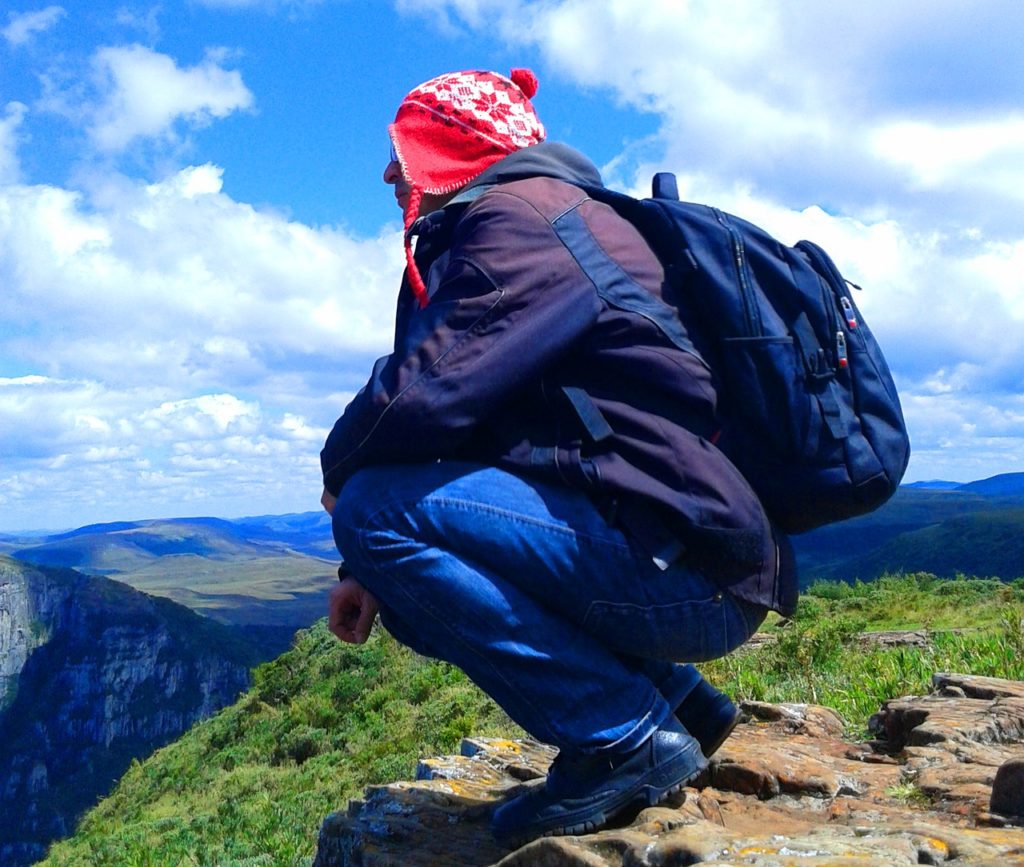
412 210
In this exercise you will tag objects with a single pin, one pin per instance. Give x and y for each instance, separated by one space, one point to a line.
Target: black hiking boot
583 792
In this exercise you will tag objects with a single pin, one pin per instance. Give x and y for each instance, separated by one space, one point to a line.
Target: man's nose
393 172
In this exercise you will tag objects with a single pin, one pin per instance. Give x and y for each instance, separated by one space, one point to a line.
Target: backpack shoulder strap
613 284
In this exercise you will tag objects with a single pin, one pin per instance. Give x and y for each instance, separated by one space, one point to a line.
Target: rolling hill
272 570
275 569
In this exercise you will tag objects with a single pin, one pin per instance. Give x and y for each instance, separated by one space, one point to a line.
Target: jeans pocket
695 630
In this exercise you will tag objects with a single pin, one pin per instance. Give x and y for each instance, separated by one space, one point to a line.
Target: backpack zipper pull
851 317
841 355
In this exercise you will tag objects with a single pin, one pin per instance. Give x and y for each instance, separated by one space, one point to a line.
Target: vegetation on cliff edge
252 784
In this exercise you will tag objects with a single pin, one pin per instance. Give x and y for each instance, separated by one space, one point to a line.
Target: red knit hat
451 128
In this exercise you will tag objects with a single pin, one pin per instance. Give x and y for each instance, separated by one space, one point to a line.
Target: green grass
976 627
908 794
251 785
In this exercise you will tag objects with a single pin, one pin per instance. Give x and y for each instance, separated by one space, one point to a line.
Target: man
527 486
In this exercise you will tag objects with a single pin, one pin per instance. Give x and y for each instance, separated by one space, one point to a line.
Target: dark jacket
518 353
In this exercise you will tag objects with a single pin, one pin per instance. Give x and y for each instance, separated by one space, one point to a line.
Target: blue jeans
526 588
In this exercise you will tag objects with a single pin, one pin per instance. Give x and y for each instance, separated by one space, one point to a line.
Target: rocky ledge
942 783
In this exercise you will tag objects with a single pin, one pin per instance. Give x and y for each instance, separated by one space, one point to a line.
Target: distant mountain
266 570
946 532
1003 485
94 674
106 549
305 532
276 569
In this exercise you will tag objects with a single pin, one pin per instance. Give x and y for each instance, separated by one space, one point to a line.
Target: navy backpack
809 411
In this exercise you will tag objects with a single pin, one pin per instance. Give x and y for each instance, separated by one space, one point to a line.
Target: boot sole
652 797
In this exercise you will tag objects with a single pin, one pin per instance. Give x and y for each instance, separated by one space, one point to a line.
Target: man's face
393 175
430 202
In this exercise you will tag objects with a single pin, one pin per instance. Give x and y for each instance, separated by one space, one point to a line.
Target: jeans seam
517 517
702 601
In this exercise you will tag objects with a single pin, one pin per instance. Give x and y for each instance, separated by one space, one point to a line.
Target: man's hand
350 611
328 501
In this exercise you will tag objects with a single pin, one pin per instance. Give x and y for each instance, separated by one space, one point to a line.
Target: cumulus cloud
144 94
77 446
899 147
943 155
188 347
245 289
23 27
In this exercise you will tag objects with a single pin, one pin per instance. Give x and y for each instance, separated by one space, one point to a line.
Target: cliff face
16 631
92 675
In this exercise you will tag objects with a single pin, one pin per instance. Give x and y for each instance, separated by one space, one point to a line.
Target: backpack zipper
838 285
739 254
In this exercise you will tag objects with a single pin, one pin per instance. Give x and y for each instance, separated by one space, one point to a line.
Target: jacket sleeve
510 300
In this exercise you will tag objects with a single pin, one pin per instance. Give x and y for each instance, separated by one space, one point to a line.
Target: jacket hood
548 160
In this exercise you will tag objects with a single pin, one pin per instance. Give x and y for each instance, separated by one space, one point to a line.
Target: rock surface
785 789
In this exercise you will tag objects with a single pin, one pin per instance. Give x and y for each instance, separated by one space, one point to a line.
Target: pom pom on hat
526 81
451 128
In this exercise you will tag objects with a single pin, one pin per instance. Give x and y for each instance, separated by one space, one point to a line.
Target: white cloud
197 285
201 417
130 454
186 351
145 94
43 418
23 27
963 436
942 155
10 169
167 321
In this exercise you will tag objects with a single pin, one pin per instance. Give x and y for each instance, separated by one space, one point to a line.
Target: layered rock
786 789
94 675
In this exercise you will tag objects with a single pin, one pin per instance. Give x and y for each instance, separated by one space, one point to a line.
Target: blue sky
198 258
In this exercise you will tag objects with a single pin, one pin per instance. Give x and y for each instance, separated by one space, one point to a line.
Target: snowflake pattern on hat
483 103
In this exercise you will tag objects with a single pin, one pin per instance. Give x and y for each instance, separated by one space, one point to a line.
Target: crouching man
526 486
